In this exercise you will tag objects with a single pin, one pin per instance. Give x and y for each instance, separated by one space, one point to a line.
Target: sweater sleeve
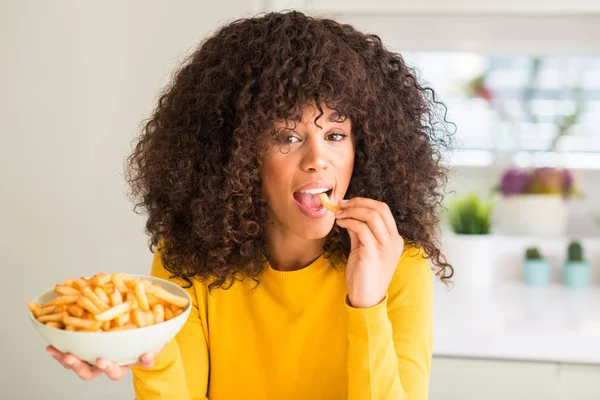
390 344
180 371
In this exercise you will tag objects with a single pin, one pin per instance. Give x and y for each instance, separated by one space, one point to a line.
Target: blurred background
521 220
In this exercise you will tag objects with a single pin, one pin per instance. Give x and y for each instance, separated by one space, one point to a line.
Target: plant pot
533 214
536 272
473 258
576 274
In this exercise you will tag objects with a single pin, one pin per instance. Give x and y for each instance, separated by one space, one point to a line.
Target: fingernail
68 361
102 364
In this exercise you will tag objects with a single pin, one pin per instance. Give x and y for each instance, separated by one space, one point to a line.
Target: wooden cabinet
476 379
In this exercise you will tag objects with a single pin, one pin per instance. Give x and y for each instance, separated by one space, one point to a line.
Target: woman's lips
311 207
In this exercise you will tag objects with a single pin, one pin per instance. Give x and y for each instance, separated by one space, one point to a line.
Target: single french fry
44 311
87 304
33 306
109 288
60 308
117 280
70 328
68 282
66 290
130 298
162 294
57 325
152 300
79 283
101 279
106 326
159 313
102 295
61 300
149 318
58 317
87 324
138 318
124 327
88 315
89 293
325 202
113 312
168 314
140 294
177 312
75 310
115 297
122 319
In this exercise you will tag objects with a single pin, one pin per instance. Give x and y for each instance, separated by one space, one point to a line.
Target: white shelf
485 158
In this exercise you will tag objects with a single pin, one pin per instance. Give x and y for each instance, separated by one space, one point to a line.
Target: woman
291 300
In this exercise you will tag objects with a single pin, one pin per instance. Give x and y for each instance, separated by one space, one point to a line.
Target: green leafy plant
532 253
575 251
469 215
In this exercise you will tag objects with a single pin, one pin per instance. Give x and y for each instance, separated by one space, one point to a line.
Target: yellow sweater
295 337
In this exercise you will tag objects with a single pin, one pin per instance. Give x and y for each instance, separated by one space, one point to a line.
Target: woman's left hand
376 247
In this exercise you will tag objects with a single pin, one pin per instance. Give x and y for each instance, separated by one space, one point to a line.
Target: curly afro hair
195 166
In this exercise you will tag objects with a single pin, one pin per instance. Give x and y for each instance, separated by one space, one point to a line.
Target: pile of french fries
108 302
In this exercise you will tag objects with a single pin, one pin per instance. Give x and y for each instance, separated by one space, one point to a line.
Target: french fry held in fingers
325 202
108 303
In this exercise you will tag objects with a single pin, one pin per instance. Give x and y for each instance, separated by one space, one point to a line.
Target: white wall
77 77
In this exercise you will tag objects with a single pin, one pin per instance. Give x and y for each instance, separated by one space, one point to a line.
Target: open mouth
311 200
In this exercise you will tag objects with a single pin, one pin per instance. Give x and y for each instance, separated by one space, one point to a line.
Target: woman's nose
315 157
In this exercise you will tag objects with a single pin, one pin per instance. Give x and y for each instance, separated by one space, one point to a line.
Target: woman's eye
290 139
336 137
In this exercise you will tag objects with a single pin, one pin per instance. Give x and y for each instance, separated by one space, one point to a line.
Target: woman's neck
291 253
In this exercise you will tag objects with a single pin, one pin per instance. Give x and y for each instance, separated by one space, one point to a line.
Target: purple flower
514 181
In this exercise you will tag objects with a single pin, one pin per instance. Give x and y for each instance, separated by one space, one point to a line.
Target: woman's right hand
87 371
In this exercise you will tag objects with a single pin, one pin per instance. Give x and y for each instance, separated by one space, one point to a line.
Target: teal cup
536 272
576 274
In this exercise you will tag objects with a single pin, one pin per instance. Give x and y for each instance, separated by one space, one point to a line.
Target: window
527 110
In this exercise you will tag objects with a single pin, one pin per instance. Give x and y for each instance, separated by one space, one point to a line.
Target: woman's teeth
315 191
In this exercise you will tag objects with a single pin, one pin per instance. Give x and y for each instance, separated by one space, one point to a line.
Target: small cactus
575 251
532 253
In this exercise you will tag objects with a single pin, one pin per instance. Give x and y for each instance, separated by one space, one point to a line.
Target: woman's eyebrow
336 117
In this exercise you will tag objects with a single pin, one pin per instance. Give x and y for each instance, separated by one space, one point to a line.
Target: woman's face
302 162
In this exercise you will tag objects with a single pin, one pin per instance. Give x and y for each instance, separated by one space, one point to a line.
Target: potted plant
536 269
534 202
470 246
576 270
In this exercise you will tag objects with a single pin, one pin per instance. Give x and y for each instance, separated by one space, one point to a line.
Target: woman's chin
316 230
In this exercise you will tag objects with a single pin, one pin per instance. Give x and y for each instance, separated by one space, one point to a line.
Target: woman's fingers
86 371
361 229
147 359
369 216
112 370
382 208
58 356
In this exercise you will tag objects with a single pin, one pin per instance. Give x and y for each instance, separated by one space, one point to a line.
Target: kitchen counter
517 322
